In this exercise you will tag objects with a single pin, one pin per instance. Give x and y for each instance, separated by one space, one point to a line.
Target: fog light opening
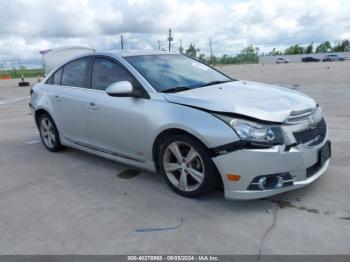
270 182
262 183
280 182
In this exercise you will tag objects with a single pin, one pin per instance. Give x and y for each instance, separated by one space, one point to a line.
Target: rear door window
74 73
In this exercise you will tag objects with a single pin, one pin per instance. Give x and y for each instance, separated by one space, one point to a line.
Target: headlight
254 132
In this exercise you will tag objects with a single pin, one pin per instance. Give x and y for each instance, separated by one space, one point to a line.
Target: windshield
175 72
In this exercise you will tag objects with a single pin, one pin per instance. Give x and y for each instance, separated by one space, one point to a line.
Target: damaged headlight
255 133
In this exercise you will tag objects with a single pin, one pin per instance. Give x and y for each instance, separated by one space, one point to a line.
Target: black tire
341 59
56 143
211 175
23 83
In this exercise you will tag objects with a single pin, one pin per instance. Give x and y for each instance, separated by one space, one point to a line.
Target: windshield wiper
184 88
215 83
176 89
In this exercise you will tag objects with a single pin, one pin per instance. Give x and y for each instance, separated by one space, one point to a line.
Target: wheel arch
39 113
161 137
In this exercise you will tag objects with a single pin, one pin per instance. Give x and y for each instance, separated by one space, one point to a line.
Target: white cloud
29 26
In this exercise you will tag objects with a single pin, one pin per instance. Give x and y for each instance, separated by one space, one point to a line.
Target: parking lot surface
71 202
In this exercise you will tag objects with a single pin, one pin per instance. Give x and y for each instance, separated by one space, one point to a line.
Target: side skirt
149 166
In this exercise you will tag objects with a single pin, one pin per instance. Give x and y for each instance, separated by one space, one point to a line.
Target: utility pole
170 38
211 52
158 45
122 41
181 49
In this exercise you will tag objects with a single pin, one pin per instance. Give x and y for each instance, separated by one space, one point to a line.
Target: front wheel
187 166
49 133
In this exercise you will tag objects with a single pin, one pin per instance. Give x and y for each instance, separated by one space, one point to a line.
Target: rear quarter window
57 77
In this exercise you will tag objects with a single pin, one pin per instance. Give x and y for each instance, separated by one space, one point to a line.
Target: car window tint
57 77
74 73
49 80
165 71
106 72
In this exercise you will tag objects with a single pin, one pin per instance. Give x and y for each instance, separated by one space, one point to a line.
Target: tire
183 175
341 59
23 83
49 133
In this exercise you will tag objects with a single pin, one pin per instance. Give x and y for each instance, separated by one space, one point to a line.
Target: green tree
275 52
214 60
248 55
324 47
203 58
342 46
293 50
192 51
309 48
181 49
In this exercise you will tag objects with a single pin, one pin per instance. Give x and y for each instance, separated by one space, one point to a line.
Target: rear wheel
187 166
49 133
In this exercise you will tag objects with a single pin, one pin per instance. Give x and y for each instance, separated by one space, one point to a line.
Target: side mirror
121 89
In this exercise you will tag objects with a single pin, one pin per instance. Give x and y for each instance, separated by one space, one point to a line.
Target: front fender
210 130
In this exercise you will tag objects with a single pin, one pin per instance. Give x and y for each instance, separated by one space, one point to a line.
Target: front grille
319 132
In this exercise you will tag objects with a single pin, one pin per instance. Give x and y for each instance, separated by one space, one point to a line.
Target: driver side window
106 72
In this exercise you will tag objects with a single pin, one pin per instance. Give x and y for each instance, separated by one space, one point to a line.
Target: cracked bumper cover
250 163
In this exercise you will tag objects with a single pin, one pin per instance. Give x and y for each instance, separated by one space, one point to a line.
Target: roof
124 53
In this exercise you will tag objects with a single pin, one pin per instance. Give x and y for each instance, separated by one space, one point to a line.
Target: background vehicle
309 59
333 57
170 113
281 60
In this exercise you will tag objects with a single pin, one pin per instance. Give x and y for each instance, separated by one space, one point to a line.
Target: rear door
69 98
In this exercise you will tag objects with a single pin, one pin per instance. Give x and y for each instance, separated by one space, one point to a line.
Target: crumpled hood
252 99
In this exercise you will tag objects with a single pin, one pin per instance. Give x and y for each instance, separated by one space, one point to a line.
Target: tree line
249 55
324 47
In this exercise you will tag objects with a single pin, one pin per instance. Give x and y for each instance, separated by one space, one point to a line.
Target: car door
69 97
114 123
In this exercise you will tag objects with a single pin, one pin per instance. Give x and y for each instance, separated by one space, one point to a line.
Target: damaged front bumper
286 169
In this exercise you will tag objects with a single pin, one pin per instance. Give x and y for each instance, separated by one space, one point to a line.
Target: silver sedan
170 113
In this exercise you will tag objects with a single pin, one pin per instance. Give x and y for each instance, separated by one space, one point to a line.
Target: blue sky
29 26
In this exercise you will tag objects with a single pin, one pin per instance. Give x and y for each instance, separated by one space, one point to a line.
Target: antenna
122 41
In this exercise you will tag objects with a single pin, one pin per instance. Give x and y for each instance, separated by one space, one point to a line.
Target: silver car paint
271 103
125 129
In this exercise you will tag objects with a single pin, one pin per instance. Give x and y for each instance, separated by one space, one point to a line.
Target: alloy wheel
183 166
47 132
